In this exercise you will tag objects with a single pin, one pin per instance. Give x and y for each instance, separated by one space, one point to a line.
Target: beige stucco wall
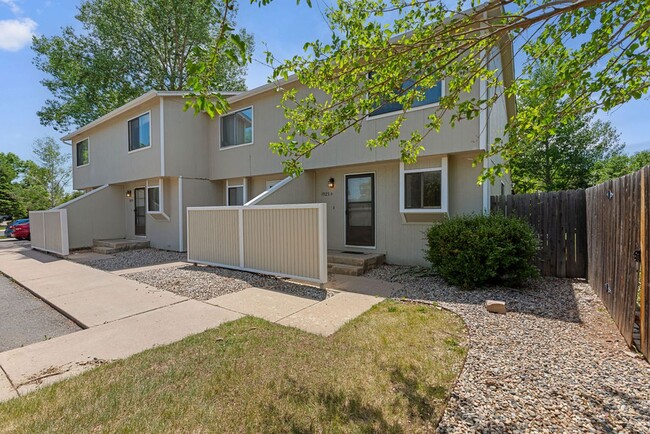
348 148
110 161
95 216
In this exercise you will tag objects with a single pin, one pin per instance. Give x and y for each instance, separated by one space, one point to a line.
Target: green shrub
474 250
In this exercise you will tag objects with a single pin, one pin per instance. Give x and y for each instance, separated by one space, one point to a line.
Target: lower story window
236 195
423 190
153 199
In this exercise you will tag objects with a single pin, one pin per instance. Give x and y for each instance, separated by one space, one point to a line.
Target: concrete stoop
107 247
352 263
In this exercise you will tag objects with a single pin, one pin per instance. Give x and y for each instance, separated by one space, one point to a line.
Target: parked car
21 231
10 226
4 218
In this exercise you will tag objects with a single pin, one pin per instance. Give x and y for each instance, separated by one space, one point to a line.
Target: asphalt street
25 319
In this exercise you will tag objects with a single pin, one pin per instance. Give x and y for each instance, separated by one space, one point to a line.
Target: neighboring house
147 161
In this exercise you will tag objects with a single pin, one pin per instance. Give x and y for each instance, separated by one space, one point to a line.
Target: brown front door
360 210
140 212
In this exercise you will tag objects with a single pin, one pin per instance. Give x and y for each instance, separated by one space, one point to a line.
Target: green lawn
390 370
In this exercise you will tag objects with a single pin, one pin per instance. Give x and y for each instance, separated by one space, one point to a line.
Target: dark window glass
139 136
235 196
82 153
237 128
431 96
153 199
422 190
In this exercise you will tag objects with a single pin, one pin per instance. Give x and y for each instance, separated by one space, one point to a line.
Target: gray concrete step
348 270
364 261
113 246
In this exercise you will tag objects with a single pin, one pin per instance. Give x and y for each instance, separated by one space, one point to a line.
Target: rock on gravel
204 283
554 363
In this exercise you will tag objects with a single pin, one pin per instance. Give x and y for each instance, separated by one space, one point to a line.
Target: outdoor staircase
120 245
353 263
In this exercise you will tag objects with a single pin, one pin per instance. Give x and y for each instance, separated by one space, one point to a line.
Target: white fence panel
49 231
283 240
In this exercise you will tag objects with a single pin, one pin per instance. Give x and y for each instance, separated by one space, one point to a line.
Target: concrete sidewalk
122 317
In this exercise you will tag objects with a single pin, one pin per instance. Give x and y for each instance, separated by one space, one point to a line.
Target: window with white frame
235 195
237 128
423 190
139 132
153 198
83 157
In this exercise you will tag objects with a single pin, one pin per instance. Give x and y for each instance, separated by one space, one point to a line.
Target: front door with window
360 210
140 212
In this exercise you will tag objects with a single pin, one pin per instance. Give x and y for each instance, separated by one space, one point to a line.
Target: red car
21 231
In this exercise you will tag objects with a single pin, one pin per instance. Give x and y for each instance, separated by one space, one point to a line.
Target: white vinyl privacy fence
49 231
283 240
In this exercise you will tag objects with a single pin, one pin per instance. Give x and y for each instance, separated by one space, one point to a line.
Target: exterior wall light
330 183
128 193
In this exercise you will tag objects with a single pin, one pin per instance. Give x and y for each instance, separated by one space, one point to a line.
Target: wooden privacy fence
283 240
559 221
618 215
49 231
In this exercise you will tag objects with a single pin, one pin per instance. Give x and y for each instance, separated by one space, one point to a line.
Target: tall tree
599 48
125 48
11 167
564 157
619 165
54 170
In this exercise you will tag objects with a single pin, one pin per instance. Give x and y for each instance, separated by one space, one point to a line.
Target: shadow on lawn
337 410
546 297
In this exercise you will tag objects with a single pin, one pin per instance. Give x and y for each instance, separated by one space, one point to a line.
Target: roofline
128 106
261 89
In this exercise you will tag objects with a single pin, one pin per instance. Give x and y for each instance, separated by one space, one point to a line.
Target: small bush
474 250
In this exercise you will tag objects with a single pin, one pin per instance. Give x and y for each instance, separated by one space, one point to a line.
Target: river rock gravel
203 283
554 363
136 258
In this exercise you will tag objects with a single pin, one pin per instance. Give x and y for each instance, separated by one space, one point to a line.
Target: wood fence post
645 262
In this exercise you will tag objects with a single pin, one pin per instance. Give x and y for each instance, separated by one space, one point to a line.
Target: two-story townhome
146 162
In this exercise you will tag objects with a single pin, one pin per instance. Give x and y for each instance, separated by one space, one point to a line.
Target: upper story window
237 128
83 157
431 96
140 132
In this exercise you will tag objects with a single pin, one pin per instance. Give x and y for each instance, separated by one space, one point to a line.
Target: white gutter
180 213
162 136
132 104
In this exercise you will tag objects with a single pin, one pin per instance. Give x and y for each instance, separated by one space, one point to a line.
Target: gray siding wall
348 148
162 234
403 243
199 192
97 215
186 140
110 159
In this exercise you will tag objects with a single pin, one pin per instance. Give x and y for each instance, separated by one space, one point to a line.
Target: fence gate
49 231
559 219
617 221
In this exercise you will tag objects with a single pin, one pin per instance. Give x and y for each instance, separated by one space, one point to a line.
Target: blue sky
282 27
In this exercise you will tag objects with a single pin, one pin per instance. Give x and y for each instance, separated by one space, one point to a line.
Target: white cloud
13 6
16 34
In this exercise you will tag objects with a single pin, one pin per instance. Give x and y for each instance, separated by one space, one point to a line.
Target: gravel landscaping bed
204 283
554 363
136 258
